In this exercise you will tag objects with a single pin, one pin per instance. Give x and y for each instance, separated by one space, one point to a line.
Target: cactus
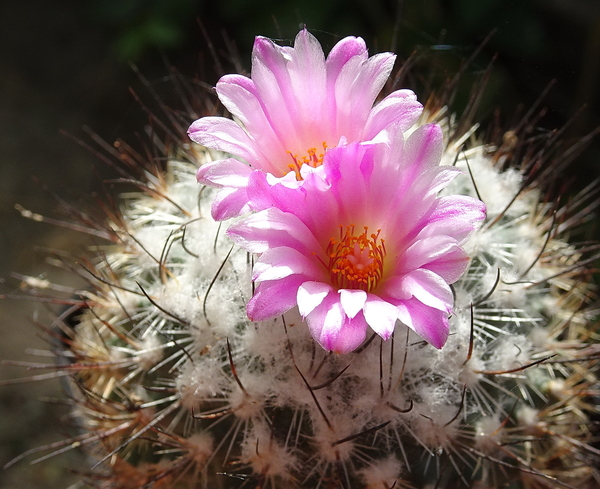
172 386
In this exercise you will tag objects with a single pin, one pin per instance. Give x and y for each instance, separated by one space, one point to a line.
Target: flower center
311 158
356 262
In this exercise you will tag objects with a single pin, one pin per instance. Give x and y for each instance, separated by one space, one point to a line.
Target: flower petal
440 254
400 107
342 52
272 228
380 315
281 262
228 203
240 96
224 173
272 80
423 251
423 150
311 295
352 334
332 329
224 135
308 80
273 298
425 286
451 266
359 77
352 301
430 324
266 191
455 215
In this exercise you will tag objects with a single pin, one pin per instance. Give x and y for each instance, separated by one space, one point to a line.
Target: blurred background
66 65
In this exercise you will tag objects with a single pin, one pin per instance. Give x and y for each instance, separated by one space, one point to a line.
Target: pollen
310 158
356 261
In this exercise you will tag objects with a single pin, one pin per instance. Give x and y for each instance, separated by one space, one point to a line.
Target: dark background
65 64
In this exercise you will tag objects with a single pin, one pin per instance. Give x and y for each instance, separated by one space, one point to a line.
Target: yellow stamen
356 262
311 158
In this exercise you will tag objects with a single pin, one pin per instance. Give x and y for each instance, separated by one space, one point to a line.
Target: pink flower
296 106
365 242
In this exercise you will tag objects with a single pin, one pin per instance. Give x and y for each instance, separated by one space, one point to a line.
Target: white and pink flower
363 243
296 106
